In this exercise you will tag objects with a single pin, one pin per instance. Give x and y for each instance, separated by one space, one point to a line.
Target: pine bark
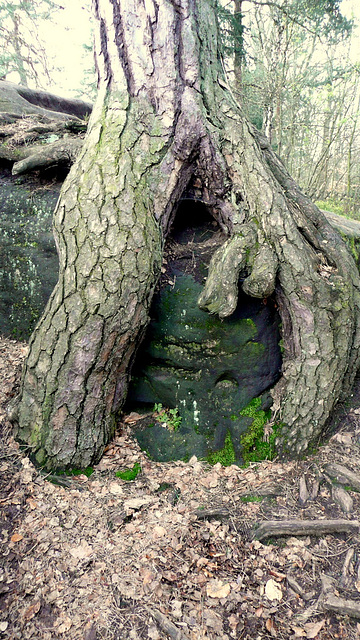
164 117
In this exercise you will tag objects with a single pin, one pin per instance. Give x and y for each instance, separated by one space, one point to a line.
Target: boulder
208 369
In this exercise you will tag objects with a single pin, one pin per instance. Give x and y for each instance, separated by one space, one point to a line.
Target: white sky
64 43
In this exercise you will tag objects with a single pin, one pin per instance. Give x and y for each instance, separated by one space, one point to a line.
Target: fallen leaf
27 476
279 576
3 625
137 503
313 628
176 606
153 633
32 504
64 626
259 611
272 590
299 632
170 576
343 438
16 537
115 488
159 532
217 589
82 551
270 626
132 417
147 576
233 622
32 610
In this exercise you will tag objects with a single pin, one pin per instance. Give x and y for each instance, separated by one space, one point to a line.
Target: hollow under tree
164 116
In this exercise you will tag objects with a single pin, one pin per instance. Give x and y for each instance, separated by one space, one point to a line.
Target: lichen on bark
164 118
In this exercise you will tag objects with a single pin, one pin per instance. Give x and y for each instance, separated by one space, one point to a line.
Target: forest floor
173 553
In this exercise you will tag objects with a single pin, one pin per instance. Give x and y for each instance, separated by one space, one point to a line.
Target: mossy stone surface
28 257
208 368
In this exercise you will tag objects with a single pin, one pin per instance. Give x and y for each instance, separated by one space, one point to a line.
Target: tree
23 51
292 71
164 117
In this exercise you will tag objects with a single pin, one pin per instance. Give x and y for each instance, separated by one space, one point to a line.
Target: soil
173 553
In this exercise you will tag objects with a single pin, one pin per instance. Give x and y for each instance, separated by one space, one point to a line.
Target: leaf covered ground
171 554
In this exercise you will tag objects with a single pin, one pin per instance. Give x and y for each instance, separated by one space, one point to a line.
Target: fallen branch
16 100
167 626
343 607
295 586
304 528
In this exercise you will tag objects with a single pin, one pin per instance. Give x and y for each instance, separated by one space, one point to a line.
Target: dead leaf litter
172 554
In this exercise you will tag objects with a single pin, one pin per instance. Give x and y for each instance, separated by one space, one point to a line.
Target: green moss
251 498
129 474
351 242
225 456
255 446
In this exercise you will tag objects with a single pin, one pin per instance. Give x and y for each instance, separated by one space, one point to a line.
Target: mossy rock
28 257
209 369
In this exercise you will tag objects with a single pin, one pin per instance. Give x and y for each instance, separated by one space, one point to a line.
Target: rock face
209 369
40 133
28 258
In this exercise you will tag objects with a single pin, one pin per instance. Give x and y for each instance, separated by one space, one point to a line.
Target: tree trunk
164 117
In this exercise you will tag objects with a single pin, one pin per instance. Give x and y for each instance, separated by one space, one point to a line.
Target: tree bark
164 117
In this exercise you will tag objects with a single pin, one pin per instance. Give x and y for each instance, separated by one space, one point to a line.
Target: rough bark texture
165 117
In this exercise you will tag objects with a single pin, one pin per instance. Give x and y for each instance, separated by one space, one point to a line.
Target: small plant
169 418
129 474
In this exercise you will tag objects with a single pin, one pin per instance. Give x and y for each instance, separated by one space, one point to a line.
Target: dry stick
271 528
346 566
295 586
167 626
344 607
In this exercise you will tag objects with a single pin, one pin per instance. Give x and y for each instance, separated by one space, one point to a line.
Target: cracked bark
164 117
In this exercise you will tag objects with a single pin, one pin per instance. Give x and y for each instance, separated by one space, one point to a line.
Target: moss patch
255 445
129 474
226 455
251 498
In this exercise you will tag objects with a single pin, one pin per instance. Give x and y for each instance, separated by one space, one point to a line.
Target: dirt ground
173 553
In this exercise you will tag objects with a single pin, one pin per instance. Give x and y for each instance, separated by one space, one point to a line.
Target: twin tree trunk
164 117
